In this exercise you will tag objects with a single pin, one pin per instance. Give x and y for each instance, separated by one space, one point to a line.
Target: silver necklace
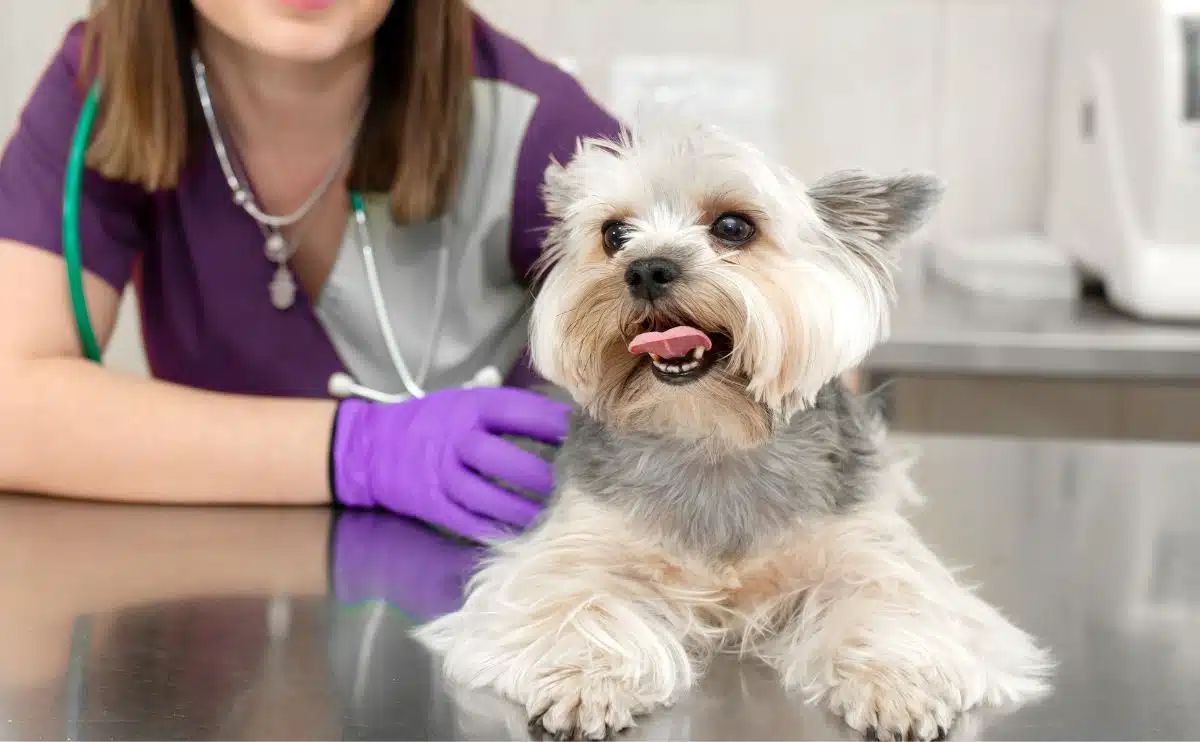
277 248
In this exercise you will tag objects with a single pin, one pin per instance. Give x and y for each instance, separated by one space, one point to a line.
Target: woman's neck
270 104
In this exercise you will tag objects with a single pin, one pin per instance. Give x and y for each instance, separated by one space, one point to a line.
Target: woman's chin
304 46
311 31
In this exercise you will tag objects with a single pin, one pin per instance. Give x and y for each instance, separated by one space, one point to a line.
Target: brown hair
148 121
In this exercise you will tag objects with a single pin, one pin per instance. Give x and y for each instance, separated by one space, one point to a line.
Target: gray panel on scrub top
485 321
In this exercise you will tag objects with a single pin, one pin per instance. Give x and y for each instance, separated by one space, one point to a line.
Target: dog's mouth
680 354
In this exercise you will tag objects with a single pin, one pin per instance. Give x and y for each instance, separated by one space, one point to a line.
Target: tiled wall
960 86
29 33
957 86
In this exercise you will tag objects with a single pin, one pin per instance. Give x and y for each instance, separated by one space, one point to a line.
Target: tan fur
619 388
769 267
594 617
723 418
591 620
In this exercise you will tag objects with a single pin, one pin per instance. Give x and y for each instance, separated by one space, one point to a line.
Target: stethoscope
341 385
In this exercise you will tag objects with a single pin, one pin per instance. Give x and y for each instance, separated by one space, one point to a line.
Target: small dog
720 489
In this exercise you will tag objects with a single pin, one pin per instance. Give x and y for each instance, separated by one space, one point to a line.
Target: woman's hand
435 458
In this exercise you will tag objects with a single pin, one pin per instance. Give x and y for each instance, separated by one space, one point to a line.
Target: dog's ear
879 210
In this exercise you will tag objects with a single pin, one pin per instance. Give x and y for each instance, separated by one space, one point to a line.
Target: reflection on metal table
125 622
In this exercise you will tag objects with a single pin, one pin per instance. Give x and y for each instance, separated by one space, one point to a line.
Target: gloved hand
432 458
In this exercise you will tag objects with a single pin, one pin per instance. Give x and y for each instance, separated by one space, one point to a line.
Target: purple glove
433 458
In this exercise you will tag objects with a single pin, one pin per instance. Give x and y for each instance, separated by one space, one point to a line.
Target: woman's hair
149 120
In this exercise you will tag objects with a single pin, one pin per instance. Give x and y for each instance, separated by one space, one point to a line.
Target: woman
230 137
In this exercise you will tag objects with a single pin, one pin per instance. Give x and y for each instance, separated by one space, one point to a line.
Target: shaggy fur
756 509
825 462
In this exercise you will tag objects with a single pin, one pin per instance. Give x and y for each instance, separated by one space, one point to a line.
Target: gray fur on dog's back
824 462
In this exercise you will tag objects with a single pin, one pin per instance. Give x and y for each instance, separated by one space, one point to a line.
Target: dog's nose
650 278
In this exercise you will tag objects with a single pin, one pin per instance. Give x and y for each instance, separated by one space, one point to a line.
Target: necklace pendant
276 248
282 289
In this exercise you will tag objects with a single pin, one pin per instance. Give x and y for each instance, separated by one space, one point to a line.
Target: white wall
30 31
958 86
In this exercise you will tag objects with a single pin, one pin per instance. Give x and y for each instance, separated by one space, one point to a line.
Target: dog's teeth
698 353
673 368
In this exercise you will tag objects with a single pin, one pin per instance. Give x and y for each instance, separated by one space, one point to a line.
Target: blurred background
997 331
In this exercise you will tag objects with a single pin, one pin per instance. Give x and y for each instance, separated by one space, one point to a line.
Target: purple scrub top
196 258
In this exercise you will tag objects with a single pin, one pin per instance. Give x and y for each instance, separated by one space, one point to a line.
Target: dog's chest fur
723 507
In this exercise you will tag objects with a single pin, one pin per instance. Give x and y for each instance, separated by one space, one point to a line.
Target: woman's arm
74 429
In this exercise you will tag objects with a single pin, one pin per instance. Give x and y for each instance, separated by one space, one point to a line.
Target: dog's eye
732 229
616 234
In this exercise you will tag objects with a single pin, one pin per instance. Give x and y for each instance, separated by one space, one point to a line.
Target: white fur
890 641
840 308
549 624
591 619
587 630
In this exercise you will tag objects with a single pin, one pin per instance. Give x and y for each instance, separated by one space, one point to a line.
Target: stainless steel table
160 623
939 328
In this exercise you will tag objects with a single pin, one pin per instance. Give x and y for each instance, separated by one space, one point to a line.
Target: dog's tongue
674 343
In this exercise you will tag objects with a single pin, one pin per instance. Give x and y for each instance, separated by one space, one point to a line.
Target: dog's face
692 288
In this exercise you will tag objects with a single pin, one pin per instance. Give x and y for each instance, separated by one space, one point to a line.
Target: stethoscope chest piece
343 386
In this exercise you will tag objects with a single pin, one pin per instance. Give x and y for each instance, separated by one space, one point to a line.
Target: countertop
124 622
940 328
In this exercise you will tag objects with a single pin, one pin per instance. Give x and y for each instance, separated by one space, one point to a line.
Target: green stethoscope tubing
72 249
72 244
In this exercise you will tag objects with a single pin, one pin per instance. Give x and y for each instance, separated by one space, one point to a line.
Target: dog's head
692 288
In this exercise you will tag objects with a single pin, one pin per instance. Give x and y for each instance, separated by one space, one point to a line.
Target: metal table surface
939 328
124 622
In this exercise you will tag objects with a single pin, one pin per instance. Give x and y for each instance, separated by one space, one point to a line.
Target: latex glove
376 555
432 458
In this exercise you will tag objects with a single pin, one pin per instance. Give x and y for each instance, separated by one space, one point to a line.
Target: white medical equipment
1124 197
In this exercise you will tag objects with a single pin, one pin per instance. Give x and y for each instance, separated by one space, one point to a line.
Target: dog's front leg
570 622
889 641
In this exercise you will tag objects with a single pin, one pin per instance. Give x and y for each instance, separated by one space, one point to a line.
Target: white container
1125 177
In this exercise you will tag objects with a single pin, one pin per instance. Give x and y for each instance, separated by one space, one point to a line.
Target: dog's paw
896 704
573 706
